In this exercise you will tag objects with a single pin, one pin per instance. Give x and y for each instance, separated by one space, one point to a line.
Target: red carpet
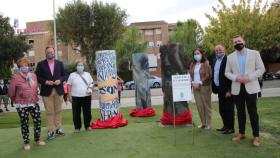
113 122
182 119
148 112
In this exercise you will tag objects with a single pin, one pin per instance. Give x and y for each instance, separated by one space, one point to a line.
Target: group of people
54 84
50 74
235 79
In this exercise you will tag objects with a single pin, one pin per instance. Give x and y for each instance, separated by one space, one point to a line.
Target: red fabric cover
148 112
182 119
113 122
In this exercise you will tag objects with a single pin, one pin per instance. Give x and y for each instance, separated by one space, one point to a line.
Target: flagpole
54 30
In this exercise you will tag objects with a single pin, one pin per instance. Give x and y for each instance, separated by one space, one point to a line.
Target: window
152 58
31 42
59 53
159 43
149 32
158 31
151 44
158 37
31 53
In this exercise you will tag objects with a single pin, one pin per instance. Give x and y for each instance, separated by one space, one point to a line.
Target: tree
189 34
259 27
91 27
271 28
11 47
129 43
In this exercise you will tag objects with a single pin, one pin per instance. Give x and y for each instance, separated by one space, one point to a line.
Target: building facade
156 33
39 34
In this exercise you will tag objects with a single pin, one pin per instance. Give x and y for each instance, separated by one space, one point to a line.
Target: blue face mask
197 57
80 68
219 55
24 69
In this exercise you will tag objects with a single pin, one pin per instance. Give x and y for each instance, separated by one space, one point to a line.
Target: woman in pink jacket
23 91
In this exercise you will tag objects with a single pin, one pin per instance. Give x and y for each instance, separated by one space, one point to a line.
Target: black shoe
59 132
228 131
7 109
221 129
1 111
50 135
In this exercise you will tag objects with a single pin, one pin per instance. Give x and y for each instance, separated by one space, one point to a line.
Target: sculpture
172 64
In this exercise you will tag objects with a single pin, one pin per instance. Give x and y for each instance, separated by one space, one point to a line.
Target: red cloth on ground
148 112
113 122
182 119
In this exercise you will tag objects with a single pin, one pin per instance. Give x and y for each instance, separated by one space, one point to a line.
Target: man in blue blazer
51 75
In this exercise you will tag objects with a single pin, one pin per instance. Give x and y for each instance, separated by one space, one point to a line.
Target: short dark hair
49 47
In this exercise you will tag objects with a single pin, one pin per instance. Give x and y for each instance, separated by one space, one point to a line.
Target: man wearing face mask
4 95
222 86
51 75
244 67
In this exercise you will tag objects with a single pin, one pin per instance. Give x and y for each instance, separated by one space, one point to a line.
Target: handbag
89 90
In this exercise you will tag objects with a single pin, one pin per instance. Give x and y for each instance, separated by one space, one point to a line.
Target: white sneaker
201 126
207 127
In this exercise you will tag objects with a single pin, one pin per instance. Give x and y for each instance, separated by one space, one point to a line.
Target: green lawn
143 138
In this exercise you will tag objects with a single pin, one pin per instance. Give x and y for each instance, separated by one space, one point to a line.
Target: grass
144 138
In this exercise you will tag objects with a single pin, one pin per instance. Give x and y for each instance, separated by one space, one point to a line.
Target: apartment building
156 33
39 35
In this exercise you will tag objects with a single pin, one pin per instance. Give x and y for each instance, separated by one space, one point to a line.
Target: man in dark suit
222 86
51 75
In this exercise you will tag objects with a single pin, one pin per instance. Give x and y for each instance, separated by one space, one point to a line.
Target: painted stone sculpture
141 76
108 92
172 64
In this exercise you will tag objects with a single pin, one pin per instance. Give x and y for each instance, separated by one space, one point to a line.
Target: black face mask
239 46
49 55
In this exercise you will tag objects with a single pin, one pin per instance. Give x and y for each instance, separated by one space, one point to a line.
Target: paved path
157 99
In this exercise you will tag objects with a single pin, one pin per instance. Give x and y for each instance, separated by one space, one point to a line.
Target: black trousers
24 119
226 109
119 94
251 103
79 103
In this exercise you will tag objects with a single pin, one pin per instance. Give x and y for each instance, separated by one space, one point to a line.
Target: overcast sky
138 10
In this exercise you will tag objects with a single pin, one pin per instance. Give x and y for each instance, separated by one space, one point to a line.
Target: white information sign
181 88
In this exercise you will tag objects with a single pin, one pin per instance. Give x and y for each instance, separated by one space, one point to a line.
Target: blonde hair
23 60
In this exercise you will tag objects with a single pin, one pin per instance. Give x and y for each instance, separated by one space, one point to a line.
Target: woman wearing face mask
23 91
80 85
200 72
